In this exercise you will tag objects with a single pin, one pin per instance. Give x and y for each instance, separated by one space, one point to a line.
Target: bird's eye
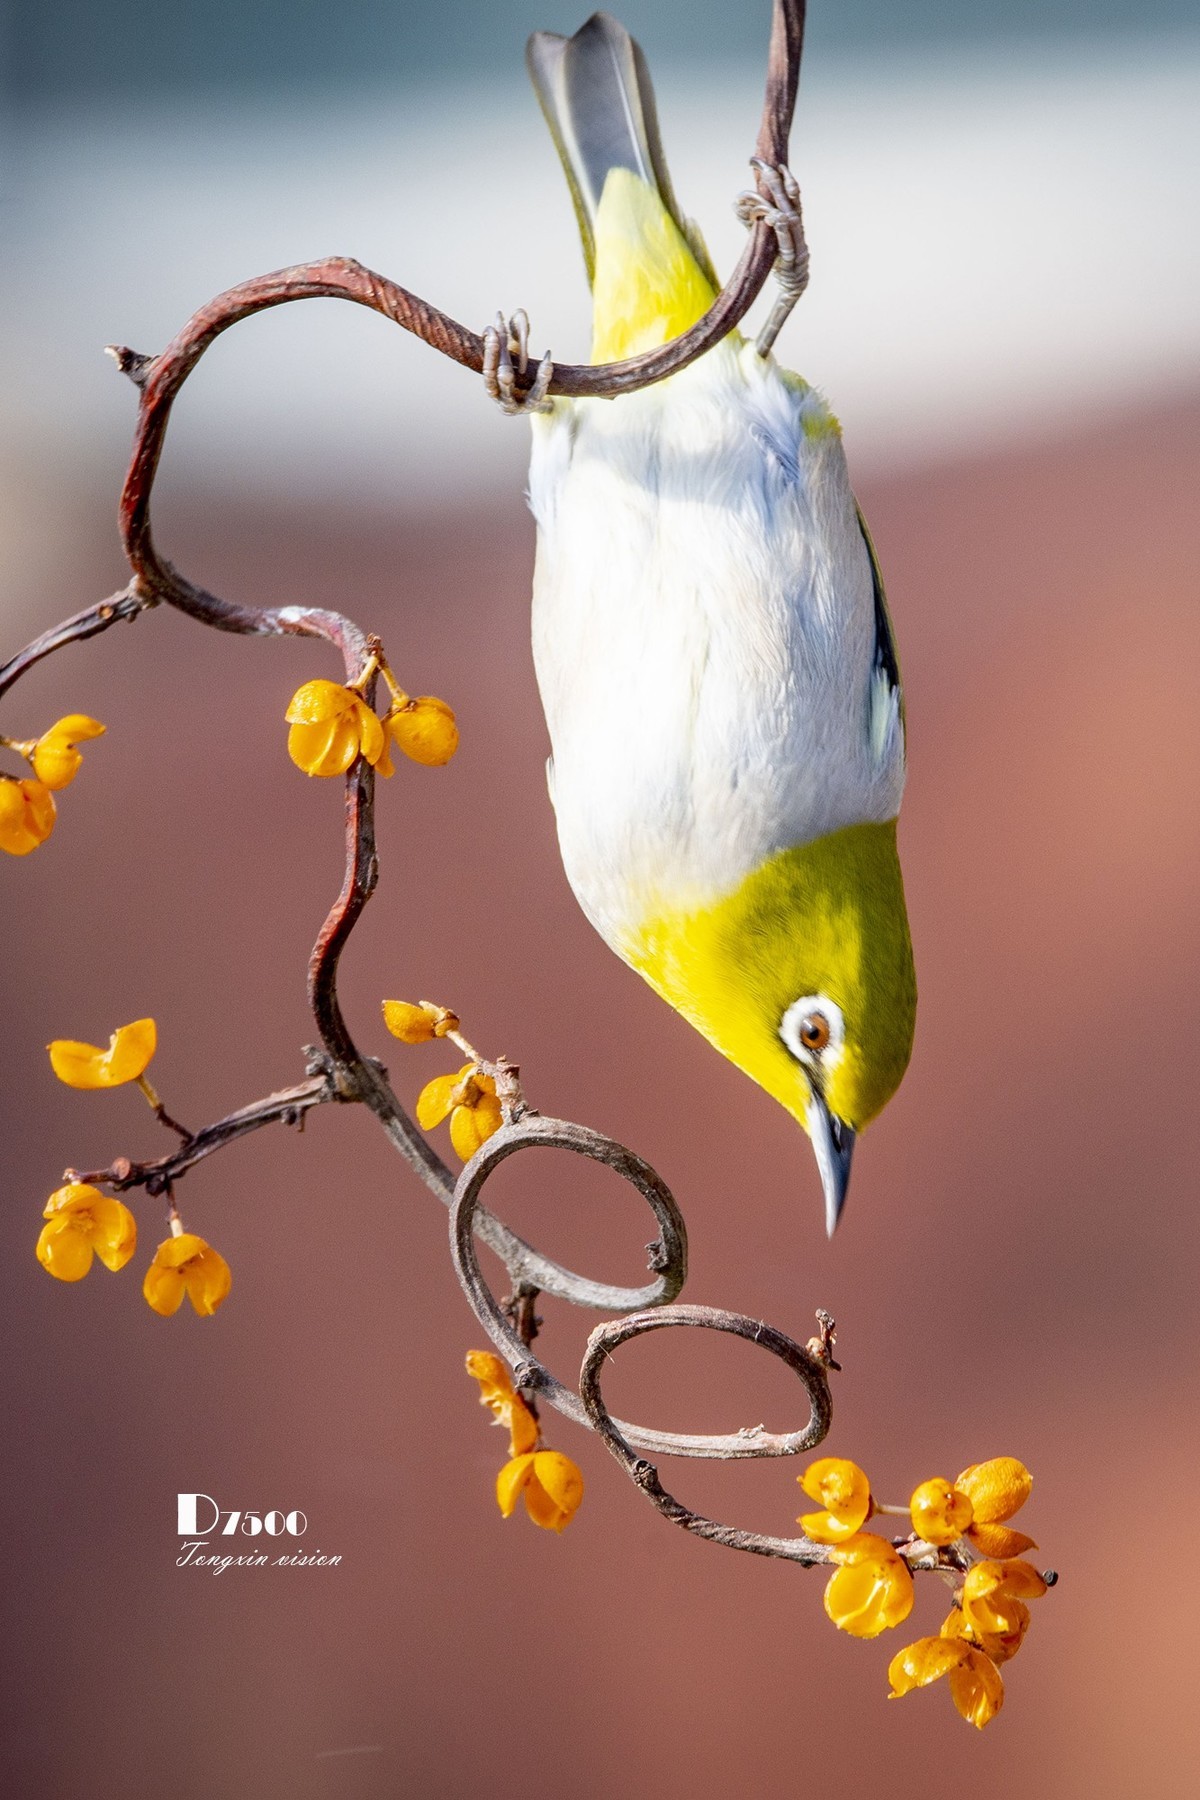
814 1030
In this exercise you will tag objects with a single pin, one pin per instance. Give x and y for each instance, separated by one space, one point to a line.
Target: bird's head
803 977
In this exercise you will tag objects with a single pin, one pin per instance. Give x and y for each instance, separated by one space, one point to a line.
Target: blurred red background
1016 1271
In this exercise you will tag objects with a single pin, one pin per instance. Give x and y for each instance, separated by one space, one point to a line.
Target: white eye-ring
814 1030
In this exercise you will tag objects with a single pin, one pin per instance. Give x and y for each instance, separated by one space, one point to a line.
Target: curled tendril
527 1267
668 1261
734 1446
644 1309
621 1439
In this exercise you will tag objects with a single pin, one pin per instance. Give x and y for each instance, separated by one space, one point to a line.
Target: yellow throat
827 918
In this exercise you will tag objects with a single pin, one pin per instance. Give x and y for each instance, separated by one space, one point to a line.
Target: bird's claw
776 202
502 342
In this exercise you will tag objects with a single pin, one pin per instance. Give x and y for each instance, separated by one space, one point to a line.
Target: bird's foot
506 339
776 202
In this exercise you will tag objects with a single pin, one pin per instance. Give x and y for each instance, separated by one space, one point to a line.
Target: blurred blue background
83 48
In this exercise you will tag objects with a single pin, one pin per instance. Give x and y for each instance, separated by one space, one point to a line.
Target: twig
287 1107
520 1307
160 1112
752 1441
949 1562
125 605
667 1256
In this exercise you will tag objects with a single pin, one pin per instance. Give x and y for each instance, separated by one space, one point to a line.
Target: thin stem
126 605
160 1112
468 1049
287 1107
521 1306
505 1075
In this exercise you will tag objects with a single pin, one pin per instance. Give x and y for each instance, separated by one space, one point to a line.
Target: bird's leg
776 202
501 342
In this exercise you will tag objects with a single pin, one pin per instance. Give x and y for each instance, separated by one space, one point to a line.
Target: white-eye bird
714 655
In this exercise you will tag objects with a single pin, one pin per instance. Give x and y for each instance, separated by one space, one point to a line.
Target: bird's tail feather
595 91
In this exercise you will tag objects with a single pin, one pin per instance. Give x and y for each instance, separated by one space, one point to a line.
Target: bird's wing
887 694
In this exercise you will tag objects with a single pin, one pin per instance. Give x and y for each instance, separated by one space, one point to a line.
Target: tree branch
124 605
287 1107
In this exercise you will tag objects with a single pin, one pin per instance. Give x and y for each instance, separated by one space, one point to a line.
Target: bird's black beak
833 1143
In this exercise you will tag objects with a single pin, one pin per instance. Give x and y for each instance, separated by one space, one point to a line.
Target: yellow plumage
824 917
648 287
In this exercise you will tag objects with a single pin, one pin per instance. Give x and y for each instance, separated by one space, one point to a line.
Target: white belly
704 636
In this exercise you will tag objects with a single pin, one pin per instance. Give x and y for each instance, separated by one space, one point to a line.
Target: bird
714 653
